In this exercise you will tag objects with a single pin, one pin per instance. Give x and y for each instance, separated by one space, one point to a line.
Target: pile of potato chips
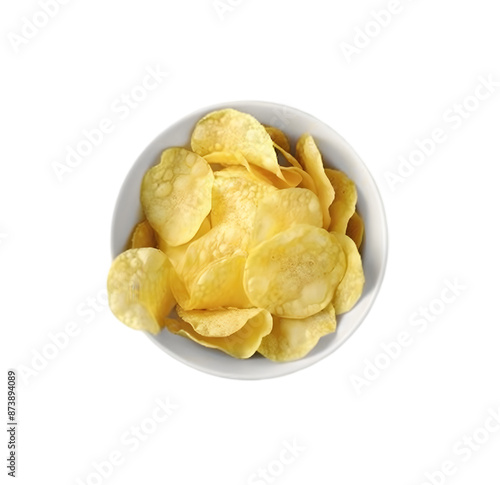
254 255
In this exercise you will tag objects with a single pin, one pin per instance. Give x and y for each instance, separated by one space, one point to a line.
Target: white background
55 242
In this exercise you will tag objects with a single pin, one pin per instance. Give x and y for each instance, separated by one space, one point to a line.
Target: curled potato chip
306 181
241 344
310 158
217 323
292 339
278 137
138 288
289 177
344 204
219 285
176 195
143 236
232 131
288 157
355 229
227 159
295 174
295 273
285 208
350 287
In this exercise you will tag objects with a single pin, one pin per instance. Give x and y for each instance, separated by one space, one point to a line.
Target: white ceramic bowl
335 152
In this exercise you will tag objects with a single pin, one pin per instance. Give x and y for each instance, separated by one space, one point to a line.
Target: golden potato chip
236 194
241 344
217 323
306 181
355 229
227 159
210 272
344 204
179 289
296 176
222 241
143 236
310 158
289 177
292 339
232 171
232 131
350 287
288 157
219 285
175 254
282 209
278 137
176 195
138 288
295 273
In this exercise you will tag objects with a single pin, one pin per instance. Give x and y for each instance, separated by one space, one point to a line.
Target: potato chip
355 229
210 273
179 289
219 285
344 204
240 171
306 181
227 159
217 323
222 241
310 158
295 273
287 156
292 339
236 195
175 254
232 131
289 177
278 137
176 195
241 344
143 236
138 288
350 287
285 208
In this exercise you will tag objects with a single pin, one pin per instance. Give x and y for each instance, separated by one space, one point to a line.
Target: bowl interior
337 154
